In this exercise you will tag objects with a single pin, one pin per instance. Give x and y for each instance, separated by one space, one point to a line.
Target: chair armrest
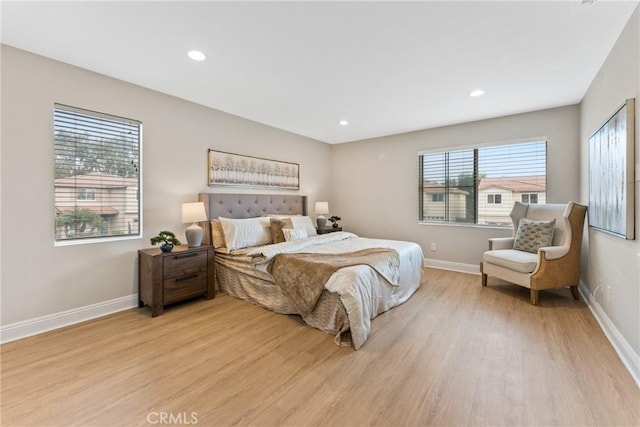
500 243
553 252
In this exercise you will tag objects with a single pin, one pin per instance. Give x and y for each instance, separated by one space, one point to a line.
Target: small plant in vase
168 240
334 221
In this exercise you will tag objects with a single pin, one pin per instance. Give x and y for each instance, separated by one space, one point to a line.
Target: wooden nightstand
168 277
328 230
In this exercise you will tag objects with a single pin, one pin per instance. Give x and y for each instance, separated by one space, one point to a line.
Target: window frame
494 199
85 192
79 202
442 150
529 197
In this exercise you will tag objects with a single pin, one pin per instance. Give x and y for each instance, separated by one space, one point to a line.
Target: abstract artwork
246 171
611 177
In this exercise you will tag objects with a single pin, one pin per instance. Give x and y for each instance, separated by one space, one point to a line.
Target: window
529 198
480 185
494 199
97 176
86 194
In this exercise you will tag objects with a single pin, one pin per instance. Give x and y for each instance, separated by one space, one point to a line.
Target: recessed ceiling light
343 122
478 92
196 55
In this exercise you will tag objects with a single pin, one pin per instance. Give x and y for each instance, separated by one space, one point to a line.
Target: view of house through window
97 175
480 185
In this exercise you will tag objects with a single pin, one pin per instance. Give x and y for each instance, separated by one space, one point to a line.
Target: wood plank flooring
455 354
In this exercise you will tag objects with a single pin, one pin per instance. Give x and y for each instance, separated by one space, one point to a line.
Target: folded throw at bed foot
302 276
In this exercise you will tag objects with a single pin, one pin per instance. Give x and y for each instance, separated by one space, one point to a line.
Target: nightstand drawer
182 264
185 286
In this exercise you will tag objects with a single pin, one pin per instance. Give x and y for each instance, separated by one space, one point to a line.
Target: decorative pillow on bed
243 233
299 221
533 235
293 234
277 225
305 223
217 234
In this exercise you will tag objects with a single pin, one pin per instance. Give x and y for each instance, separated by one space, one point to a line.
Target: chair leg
533 296
484 279
574 292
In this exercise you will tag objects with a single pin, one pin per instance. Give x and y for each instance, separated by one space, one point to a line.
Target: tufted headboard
248 206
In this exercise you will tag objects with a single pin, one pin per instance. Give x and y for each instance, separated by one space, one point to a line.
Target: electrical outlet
433 247
600 288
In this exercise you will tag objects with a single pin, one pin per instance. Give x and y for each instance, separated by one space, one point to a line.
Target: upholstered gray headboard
249 206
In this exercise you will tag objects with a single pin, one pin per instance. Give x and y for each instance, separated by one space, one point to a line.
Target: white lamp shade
322 208
193 212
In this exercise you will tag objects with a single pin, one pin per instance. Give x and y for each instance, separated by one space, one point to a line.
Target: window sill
466 225
72 242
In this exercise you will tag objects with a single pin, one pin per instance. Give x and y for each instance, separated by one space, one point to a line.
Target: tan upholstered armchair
553 266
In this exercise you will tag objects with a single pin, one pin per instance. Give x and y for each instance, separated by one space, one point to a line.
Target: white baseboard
27 328
453 266
629 358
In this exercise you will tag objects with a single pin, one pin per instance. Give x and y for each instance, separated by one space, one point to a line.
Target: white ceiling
387 67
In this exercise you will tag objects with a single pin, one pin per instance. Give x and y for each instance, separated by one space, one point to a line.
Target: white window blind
480 185
97 175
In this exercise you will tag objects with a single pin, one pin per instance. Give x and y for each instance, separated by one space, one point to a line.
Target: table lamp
322 208
193 212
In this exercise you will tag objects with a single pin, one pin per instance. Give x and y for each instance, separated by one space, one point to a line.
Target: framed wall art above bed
228 169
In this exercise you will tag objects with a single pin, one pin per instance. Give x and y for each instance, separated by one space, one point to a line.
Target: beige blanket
302 276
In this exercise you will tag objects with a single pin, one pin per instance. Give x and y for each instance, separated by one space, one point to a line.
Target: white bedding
363 292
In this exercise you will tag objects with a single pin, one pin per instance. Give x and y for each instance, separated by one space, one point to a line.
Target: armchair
553 266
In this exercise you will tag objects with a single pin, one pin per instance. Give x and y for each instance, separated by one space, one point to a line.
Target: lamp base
321 221
194 235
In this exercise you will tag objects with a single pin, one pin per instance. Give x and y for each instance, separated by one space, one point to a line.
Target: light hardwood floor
455 354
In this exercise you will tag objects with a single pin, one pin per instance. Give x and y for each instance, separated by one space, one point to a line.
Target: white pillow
305 223
243 233
293 234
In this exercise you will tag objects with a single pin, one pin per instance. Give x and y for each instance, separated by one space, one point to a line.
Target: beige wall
39 279
375 182
608 260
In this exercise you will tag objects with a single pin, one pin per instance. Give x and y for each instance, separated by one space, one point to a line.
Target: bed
348 280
